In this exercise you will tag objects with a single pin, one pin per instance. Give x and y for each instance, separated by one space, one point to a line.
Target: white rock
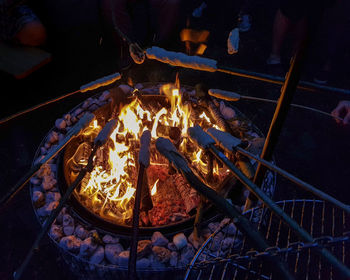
143 263
48 182
171 246
215 245
67 220
87 247
196 243
174 259
56 232
70 243
80 232
67 118
180 240
52 137
230 229
123 258
104 96
227 112
213 226
35 181
68 230
98 255
158 239
108 239
112 252
47 209
68 224
60 137
227 243
187 254
45 170
205 233
77 112
38 198
59 218
53 196
43 151
60 124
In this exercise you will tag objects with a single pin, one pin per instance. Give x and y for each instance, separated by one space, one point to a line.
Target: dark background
311 146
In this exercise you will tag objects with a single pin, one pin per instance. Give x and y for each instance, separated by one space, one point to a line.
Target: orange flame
109 191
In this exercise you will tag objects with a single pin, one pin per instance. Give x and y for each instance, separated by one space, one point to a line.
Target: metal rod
48 222
74 131
303 85
303 234
166 148
280 115
99 141
135 226
297 181
293 105
144 160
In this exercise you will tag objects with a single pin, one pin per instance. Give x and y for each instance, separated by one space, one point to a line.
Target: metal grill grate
328 225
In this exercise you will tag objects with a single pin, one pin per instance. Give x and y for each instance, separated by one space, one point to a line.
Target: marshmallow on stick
181 59
224 94
104 81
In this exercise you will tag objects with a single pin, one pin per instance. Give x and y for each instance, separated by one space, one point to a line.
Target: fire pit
93 231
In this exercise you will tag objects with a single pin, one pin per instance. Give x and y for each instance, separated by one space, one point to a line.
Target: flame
154 188
109 189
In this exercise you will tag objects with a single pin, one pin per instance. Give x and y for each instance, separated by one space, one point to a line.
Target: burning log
166 148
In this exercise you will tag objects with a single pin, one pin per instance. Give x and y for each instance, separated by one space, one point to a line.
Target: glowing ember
108 191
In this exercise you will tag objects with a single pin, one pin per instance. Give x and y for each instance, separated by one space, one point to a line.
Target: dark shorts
12 22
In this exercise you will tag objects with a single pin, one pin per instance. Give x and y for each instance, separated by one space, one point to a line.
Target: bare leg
32 34
116 11
166 13
280 28
300 34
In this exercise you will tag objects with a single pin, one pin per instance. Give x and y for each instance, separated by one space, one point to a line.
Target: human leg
166 15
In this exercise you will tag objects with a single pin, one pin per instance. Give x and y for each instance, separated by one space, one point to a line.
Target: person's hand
233 41
342 111
136 53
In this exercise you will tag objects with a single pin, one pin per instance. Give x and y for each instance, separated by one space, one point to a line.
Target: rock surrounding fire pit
93 252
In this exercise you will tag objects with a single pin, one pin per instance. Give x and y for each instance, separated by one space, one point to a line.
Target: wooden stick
74 131
144 159
166 148
100 140
206 142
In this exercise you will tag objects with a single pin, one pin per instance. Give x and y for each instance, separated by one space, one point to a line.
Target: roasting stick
208 143
233 96
210 65
72 133
231 143
167 149
102 82
144 158
99 141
